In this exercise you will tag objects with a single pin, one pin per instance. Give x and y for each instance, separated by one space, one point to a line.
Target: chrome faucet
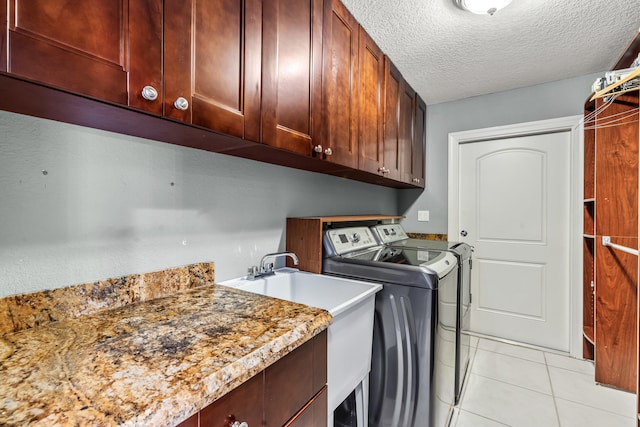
266 268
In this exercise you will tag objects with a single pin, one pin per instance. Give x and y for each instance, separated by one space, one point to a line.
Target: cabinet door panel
392 92
145 53
212 51
3 35
371 103
340 76
284 396
77 45
244 404
418 145
407 116
291 92
314 414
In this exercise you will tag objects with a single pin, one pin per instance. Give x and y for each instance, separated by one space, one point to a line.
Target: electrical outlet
423 215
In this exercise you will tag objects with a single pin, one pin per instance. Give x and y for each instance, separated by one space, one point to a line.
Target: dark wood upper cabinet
371 104
393 90
406 120
339 143
212 61
417 173
298 75
291 73
92 47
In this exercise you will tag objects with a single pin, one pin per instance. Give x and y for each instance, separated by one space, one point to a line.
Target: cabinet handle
181 104
318 148
383 170
238 424
328 152
149 93
416 180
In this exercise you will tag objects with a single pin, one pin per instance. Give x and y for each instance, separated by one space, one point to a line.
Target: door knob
149 93
181 104
464 233
318 148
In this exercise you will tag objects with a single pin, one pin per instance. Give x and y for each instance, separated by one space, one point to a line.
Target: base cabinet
291 392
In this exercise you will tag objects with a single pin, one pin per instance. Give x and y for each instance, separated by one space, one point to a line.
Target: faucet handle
253 271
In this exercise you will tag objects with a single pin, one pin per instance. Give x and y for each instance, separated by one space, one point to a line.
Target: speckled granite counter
152 363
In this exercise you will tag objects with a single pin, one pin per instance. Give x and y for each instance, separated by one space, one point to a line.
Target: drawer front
245 403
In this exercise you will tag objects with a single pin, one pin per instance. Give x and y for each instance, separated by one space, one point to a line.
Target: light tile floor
510 385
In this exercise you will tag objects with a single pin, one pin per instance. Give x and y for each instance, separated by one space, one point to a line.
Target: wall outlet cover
423 215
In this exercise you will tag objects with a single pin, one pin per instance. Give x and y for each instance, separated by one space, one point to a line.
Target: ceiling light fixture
482 7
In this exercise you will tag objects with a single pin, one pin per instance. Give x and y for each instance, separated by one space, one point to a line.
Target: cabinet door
339 87
314 414
392 94
292 73
212 60
3 35
244 404
84 46
292 382
371 103
417 173
406 122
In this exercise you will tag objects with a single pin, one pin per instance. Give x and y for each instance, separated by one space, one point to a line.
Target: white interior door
514 208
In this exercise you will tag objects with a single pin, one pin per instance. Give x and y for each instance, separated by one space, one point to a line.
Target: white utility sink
350 302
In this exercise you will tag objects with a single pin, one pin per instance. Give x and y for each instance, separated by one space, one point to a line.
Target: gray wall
112 205
547 101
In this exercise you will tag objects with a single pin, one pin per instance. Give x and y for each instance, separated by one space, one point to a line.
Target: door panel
417 174
292 73
86 55
340 77
216 67
371 105
392 136
514 205
407 117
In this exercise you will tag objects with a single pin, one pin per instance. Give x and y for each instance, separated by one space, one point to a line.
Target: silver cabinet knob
416 180
383 170
318 148
464 233
149 93
328 152
238 424
181 104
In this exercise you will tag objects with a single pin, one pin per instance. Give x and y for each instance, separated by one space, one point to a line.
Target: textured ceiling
447 54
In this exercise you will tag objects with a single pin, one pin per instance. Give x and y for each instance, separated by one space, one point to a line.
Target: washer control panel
350 239
389 233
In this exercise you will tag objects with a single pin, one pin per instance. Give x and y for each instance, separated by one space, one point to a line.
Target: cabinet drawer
295 380
242 404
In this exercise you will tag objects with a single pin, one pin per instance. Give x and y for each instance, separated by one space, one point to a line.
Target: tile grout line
464 391
553 394
466 383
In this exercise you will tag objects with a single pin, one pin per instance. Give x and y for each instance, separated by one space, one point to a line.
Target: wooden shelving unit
304 236
610 276
588 274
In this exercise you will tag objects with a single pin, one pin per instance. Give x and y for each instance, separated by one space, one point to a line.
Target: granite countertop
152 363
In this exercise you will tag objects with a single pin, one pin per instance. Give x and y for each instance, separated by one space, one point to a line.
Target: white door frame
574 125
